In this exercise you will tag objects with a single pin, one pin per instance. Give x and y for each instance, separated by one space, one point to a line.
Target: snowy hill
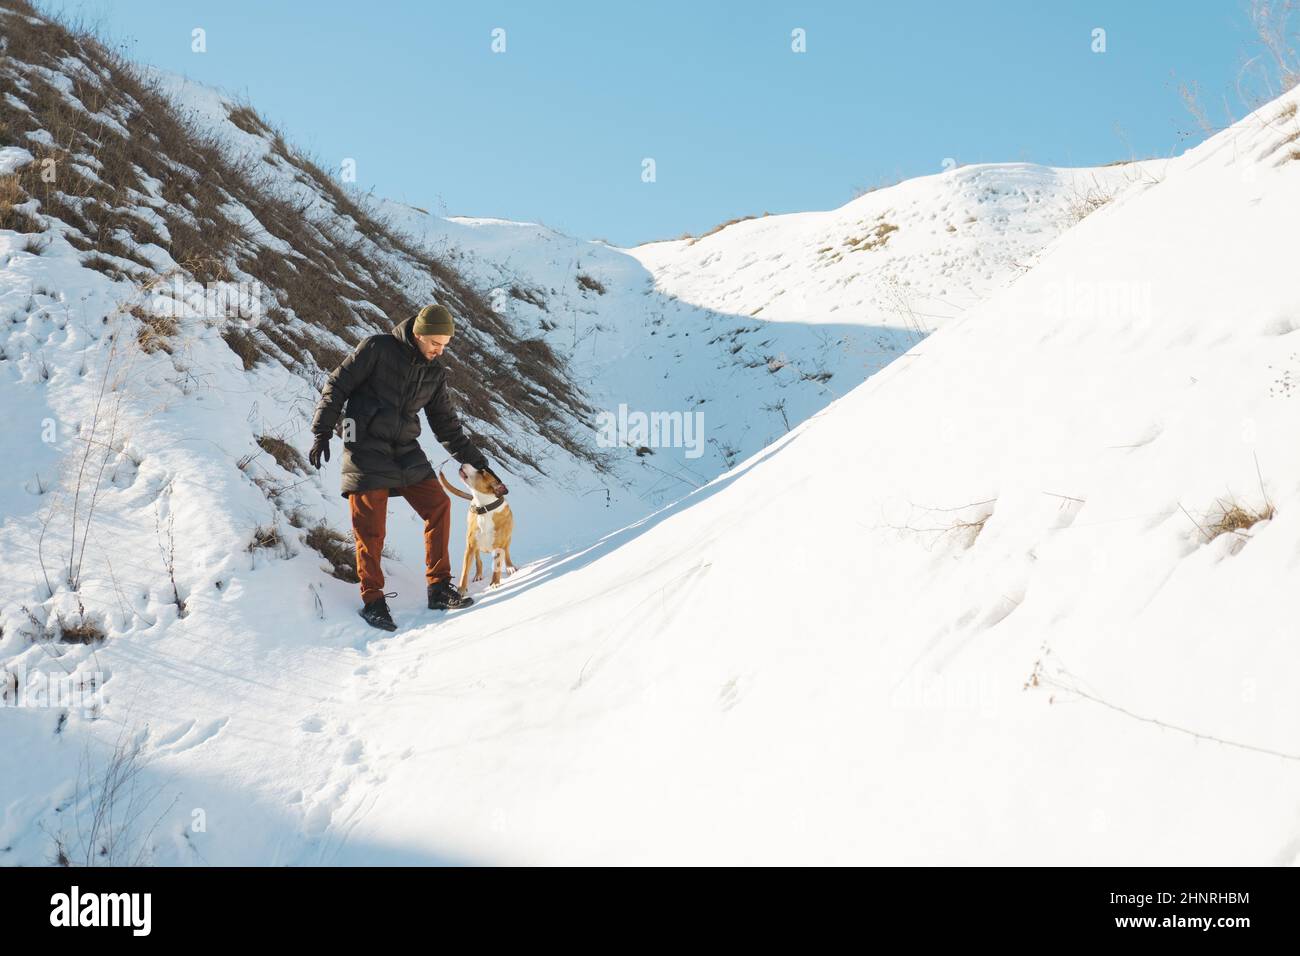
949 597
993 619
976 611
912 256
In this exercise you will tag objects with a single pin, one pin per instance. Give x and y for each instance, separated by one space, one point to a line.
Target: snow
12 159
959 611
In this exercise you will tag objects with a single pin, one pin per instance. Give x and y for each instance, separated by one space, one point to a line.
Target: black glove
319 449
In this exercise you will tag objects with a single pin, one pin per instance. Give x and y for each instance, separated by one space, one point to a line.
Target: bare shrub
336 548
156 331
11 196
246 118
36 244
961 525
875 238
1233 516
244 345
1190 94
692 240
1083 199
85 630
591 283
898 299
101 443
167 548
285 455
266 537
1275 32
531 296
111 814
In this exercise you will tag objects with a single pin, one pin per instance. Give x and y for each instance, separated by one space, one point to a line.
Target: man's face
431 346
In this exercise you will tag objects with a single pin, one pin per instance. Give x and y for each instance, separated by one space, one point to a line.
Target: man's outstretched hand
319 449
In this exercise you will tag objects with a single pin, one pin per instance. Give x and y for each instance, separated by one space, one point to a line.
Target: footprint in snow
193 735
353 752
730 694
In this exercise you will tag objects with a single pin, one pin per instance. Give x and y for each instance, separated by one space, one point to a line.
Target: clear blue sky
555 129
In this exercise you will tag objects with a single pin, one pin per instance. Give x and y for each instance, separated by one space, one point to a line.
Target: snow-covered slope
911 256
760 324
967 612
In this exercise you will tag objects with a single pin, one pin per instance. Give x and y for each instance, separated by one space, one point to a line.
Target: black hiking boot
444 596
376 614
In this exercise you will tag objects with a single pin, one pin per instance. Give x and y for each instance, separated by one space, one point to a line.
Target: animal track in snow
1148 435
1066 513
190 735
1004 606
353 751
730 694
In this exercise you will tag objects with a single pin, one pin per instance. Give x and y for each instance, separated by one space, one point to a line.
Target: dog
491 523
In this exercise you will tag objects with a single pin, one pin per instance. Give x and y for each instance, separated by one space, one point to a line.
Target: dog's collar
484 509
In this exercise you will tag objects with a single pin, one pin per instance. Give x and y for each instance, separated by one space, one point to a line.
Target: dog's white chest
485 531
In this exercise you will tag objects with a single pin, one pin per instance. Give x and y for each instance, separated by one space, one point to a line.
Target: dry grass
299 340
1232 517
873 240
350 273
963 530
109 266
266 537
35 244
692 240
336 548
591 283
243 345
1286 140
11 196
83 631
531 296
285 455
1084 200
968 531
246 118
156 331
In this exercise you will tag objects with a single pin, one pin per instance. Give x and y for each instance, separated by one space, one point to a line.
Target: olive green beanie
434 320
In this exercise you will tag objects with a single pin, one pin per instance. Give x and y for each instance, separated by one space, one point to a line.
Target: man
385 383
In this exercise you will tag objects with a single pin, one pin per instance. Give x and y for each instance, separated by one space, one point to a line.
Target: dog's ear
498 486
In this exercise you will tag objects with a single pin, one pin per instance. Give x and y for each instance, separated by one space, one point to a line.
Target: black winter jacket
385 383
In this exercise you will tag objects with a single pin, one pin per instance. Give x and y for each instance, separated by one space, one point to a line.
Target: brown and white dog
490 523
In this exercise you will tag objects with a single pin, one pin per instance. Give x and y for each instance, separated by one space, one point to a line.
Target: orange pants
370 518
